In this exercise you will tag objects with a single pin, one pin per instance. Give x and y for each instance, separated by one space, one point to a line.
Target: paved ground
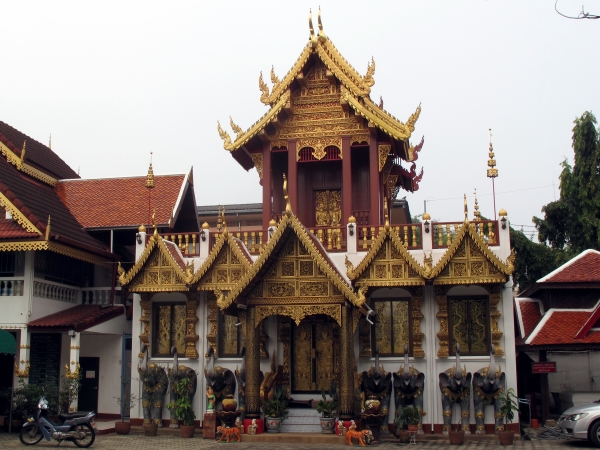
137 442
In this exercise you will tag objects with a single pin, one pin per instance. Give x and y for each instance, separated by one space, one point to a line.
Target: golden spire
224 222
477 214
288 207
219 220
385 212
466 208
154 222
492 172
48 229
150 176
23 151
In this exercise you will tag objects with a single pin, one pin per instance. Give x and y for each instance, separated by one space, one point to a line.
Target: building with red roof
558 320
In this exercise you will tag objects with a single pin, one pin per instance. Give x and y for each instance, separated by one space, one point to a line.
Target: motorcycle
77 427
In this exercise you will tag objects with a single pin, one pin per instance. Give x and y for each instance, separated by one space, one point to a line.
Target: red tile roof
121 202
36 154
37 201
584 268
529 313
561 326
78 318
9 229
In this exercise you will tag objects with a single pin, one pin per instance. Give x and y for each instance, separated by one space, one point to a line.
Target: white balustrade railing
56 291
99 295
11 287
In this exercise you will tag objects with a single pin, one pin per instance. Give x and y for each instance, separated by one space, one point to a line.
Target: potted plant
275 410
406 420
126 402
456 433
327 409
508 409
182 407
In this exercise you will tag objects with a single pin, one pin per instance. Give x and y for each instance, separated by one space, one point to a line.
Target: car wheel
594 434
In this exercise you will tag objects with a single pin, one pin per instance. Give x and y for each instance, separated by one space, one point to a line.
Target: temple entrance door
315 354
328 208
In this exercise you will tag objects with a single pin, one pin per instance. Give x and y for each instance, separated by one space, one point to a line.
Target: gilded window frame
154 333
488 334
374 345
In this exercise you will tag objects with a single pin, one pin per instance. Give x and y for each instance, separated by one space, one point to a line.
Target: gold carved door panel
328 208
315 355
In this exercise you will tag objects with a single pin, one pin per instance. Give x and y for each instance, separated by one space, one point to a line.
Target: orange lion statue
229 433
358 435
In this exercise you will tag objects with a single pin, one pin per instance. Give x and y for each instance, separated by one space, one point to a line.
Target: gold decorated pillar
346 408
191 317
252 333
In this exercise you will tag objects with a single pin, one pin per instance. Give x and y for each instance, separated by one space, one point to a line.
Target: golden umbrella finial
150 176
492 172
466 208
477 214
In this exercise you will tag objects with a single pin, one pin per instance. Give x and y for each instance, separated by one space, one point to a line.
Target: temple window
393 323
229 336
468 324
169 328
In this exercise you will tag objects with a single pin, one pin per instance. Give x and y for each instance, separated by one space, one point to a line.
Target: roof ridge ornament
368 78
264 97
322 36
312 38
225 136
23 151
150 176
466 209
288 207
274 78
237 130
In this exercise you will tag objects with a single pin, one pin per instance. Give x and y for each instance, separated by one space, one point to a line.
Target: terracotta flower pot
150 429
457 437
122 427
187 431
506 437
403 436
413 428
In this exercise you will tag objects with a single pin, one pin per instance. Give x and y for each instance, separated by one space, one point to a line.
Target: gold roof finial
48 229
322 36
154 222
23 151
150 176
466 208
492 172
219 220
477 214
224 221
310 24
236 129
385 212
50 142
288 207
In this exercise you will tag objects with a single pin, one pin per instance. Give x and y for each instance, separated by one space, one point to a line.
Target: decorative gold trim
279 143
257 159
281 87
23 246
191 338
155 242
359 139
25 372
211 320
318 145
12 158
75 347
297 313
53 247
23 347
235 246
417 315
384 151
145 318
442 315
468 230
18 215
294 300
72 375
495 292
292 222
387 233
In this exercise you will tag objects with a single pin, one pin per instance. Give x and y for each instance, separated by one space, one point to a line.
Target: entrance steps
301 420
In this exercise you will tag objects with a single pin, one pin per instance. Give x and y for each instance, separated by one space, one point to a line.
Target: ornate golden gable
297 271
387 264
156 270
225 266
322 107
469 260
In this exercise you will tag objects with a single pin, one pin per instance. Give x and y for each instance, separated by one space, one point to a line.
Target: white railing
99 295
56 291
11 287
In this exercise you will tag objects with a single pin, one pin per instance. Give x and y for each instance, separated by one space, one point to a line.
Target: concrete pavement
138 442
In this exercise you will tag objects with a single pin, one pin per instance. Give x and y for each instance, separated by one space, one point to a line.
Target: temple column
346 407
292 175
252 365
374 217
346 179
266 184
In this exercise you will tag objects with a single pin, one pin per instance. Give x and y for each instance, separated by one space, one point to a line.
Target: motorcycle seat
73 415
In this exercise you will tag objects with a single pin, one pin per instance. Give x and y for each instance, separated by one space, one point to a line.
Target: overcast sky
113 81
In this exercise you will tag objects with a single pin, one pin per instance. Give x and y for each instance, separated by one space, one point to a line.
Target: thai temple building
329 289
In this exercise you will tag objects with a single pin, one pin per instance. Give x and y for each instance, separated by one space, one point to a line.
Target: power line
484 195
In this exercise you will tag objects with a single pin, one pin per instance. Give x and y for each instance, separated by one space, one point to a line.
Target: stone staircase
301 420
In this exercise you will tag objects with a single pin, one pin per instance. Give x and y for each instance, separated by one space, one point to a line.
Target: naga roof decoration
355 90
230 256
160 268
290 224
398 267
470 245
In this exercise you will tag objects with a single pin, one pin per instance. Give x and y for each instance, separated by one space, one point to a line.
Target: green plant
27 396
69 391
182 407
509 405
276 406
128 400
409 415
327 407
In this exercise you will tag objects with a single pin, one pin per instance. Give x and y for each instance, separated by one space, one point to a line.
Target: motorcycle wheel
31 435
90 435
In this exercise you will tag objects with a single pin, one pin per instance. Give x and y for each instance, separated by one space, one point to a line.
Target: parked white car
582 422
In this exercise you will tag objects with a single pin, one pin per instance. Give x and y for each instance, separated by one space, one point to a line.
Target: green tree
572 223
